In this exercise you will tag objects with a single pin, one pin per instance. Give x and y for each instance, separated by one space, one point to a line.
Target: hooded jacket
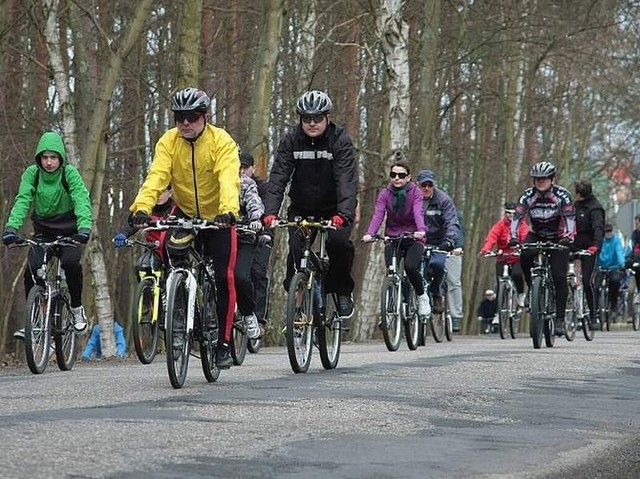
56 211
498 237
589 223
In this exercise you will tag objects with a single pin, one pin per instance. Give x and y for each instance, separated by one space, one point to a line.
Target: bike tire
239 340
504 309
390 313
254 345
329 331
603 309
635 320
145 328
514 323
448 327
570 315
176 337
438 320
64 335
411 318
299 323
37 336
536 319
209 332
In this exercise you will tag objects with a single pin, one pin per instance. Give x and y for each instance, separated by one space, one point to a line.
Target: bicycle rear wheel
177 340
570 315
410 319
635 315
64 334
514 323
239 339
603 310
329 333
209 331
37 337
390 313
299 323
145 326
504 308
536 320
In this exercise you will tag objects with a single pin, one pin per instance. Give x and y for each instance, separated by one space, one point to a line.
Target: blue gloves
119 240
10 236
82 236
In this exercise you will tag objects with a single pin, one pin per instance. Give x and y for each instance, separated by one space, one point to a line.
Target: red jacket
498 238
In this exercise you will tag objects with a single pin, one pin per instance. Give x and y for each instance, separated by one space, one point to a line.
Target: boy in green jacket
61 207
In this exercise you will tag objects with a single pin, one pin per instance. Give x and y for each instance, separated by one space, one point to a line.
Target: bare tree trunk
190 32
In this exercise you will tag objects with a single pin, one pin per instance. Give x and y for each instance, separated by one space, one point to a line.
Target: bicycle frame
507 303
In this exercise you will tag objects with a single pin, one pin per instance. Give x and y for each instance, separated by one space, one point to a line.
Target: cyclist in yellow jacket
201 162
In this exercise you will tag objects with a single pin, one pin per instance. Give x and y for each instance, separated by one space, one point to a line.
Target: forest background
476 90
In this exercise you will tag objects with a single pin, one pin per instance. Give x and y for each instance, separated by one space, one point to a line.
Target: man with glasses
441 220
201 162
498 239
552 218
316 159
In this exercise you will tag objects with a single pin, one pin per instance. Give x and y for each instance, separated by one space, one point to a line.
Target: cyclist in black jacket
589 234
552 218
318 161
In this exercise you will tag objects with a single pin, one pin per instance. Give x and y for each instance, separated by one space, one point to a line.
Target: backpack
65 183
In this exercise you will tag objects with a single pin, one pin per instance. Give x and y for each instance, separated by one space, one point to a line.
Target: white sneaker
79 319
424 307
520 299
19 334
253 328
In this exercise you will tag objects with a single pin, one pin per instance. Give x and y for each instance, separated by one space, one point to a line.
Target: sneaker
19 334
520 299
424 307
253 329
456 324
345 306
438 305
223 356
558 326
79 319
263 329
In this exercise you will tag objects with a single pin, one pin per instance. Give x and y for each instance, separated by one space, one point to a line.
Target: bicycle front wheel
390 315
504 311
570 315
299 323
536 303
37 337
209 330
177 340
603 309
239 340
411 319
64 334
635 312
146 310
329 332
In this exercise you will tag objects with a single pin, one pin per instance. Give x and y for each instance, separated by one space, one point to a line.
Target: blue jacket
93 344
611 254
440 218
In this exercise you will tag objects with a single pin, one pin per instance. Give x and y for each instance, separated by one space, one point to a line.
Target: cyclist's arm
280 175
80 198
345 172
251 202
226 168
23 200
158 177
378 213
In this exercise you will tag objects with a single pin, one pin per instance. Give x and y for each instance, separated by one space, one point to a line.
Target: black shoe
223 356
345 306
438 305
456 324
559 327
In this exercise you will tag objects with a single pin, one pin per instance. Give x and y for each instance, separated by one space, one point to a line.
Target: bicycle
635 308
624 310
398 300
311 312
603 304
191 304
542 294
49 310
148 302
509 313
439 323
577 309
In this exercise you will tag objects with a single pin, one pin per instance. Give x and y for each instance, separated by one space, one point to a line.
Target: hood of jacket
51 141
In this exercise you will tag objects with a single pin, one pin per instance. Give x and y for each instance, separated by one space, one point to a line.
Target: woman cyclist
401 202
552 219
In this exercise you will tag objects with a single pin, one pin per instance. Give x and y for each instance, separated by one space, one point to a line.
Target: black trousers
70 259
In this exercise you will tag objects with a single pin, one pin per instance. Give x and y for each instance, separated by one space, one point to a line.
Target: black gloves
225 219
564 242
139 219
512 243
10 236
82 236
445 245
264 240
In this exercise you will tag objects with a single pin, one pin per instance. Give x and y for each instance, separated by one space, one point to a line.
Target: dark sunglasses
312 119
427 184
397 174
190 116
509 212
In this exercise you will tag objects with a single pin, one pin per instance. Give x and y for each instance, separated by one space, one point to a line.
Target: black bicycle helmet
314 102
543 169
190 99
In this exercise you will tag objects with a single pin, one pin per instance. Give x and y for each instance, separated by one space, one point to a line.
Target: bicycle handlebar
544 245
389 239
182 223
145 244
305 223
60 241
495 254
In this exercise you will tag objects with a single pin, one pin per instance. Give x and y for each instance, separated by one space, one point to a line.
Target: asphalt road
478 407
